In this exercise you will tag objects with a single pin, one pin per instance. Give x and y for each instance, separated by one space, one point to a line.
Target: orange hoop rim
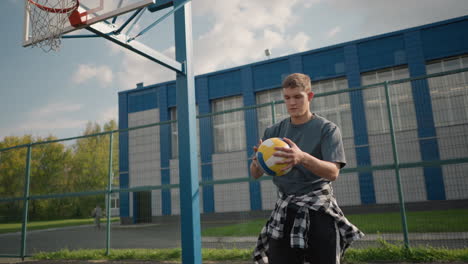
56 10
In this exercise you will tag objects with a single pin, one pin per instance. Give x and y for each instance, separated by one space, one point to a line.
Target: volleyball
266 159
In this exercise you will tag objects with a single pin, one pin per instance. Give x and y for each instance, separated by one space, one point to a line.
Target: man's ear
310 95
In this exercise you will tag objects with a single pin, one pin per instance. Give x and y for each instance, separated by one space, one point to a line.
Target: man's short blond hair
298 80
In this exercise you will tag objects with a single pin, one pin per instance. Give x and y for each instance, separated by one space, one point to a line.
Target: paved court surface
167 235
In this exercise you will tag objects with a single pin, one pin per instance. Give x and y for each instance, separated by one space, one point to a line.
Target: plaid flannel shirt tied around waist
319 200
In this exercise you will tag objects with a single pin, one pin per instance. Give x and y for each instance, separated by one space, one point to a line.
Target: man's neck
299 120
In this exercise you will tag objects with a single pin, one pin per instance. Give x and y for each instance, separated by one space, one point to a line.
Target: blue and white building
431 122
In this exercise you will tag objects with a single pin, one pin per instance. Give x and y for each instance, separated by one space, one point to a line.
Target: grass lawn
36 225
426 221
384 253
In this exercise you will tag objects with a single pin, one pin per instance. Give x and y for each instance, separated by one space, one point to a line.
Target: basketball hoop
48 18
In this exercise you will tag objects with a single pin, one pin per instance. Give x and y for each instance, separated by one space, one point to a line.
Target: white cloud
108 114
48 119
51 124
332 32
53 109
379 17
85 72
300 42
310 3
53 116
136 69
243 29
239 33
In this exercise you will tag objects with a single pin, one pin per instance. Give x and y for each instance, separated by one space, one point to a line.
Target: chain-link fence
406 143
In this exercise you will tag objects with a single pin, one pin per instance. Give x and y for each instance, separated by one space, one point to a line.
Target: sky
57 93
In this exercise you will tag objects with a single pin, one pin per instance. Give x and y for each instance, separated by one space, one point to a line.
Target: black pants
322 241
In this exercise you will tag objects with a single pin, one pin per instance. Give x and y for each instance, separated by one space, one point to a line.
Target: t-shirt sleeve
332 145
267 133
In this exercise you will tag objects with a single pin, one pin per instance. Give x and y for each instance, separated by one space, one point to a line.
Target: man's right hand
255 169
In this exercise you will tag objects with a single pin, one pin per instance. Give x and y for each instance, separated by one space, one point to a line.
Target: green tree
57 169
49 175
12 174
89 168
49 164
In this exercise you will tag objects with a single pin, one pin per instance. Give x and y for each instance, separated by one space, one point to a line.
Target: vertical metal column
273 113
27 179
188 149
108 194
396 163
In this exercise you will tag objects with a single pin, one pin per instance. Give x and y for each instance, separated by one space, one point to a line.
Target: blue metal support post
188 149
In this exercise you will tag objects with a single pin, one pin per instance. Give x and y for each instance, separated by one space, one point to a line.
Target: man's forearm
324 169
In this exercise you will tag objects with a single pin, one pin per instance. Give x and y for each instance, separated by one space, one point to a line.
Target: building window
174 133
264 114
401 97
115 201
229 128
449 93
337 107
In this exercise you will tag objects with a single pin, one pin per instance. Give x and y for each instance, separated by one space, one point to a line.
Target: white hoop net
48 18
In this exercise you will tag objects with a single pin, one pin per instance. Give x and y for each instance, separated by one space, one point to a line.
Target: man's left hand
293 155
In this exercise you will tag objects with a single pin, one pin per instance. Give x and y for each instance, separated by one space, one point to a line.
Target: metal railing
230 175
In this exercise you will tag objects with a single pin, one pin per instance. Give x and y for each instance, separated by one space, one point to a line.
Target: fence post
273 113
396 163
26 203
108 194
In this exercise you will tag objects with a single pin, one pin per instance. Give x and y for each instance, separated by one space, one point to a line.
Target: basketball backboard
45 19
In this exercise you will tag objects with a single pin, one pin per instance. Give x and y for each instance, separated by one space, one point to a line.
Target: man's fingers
287 167
255 148
290 142
281 151
284 161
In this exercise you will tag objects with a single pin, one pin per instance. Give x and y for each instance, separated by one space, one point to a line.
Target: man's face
297 101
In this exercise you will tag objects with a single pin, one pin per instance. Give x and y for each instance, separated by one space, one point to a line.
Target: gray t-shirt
318 137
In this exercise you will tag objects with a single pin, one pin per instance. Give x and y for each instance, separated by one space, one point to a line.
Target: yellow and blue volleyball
266 159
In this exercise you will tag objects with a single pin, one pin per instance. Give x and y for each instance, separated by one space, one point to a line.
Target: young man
306 226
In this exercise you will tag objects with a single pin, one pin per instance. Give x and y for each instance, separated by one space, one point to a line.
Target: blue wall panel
136 208
295 64
251 129
270 74
165 146
206 142
123 137
142 100
445 40
171 95
123 155
224 84
324 64
382 53
424 116
361 141
124 197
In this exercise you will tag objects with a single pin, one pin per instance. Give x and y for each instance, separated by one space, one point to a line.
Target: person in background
97 214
